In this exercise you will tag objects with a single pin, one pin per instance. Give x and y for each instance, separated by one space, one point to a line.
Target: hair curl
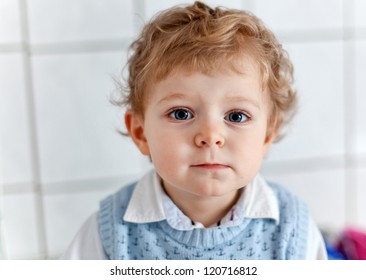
198 37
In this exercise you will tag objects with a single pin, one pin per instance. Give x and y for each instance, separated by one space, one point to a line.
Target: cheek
165 148
251 148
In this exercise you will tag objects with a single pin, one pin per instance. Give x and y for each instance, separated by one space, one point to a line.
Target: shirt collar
149 203
146 205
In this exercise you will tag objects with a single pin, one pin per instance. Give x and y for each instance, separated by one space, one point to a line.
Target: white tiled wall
16 154
74 114
19 222
360 90
360 7
64 212
322 190
361 193
69 20
60 153
9 22
318 79
299 15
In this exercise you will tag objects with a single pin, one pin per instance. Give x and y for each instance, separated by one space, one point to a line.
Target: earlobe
135 127
270 138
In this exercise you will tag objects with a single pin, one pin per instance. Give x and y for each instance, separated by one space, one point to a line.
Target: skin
206 136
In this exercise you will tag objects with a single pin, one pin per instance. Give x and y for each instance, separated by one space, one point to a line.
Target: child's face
206 134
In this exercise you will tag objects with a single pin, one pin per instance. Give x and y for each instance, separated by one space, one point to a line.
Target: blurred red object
352 243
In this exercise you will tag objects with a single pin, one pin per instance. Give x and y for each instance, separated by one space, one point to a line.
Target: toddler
209 90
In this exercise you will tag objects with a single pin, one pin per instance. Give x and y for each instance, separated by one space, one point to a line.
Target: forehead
241 63
226 84
243 66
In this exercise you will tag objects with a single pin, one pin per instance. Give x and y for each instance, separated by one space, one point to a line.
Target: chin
211 191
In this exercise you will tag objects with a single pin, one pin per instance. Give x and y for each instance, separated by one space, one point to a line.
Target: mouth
211 166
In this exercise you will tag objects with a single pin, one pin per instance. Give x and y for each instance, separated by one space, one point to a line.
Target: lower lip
211 166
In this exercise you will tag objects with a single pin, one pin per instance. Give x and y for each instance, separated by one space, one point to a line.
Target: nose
209 136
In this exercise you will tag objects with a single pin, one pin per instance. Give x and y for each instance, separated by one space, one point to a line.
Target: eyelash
190 115
175 110
240 112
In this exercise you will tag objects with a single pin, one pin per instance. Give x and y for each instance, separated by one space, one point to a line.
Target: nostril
219 143
208 141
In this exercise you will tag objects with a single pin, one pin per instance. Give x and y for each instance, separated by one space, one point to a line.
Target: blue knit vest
258 238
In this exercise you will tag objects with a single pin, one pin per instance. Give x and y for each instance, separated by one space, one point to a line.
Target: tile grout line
32 130
349 101
325 163
73 186
3 249
105 45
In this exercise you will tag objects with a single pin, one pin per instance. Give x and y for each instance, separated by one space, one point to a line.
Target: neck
205 210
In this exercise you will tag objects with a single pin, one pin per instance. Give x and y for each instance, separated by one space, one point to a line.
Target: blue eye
237 117
181 114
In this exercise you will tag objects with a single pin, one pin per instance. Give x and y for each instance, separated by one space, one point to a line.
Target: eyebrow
173 97
181 96
243 99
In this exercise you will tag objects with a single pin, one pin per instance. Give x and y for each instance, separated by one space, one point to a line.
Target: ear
270 138
135 126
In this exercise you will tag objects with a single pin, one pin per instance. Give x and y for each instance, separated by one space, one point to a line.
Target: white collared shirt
149 203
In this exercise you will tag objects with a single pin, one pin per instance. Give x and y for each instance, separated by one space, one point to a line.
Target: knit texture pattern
258 238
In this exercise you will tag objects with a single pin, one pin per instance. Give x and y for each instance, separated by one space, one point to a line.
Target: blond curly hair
200 38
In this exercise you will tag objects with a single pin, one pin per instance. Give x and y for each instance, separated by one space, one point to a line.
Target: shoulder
121 197
280 189
291 208
293 221
316 246
286 199
116 203
86 245
111 211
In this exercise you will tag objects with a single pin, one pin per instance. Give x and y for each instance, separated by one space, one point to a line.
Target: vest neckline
203 237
